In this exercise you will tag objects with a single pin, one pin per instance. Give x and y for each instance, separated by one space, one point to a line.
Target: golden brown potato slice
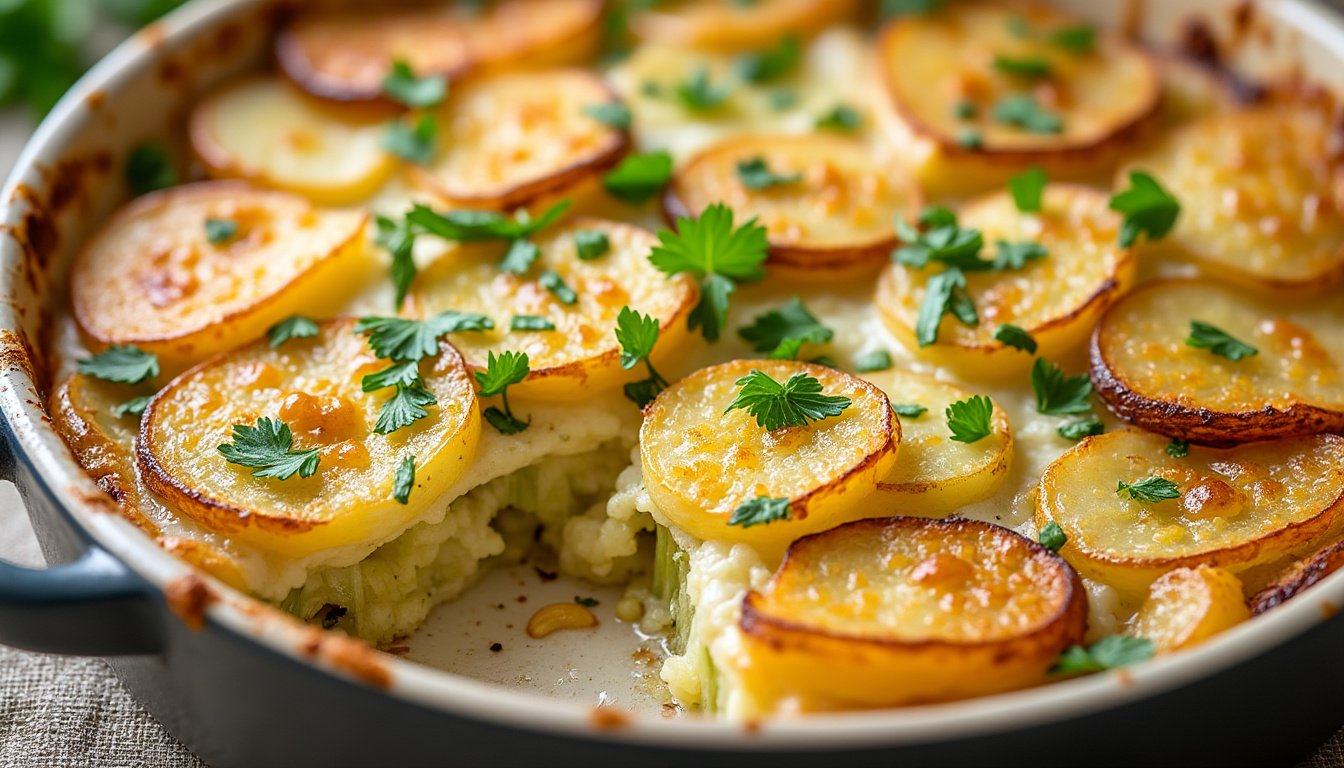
1057 299
882 613
1262 194
151 277
1303 574
828 207
264 131
581 355
1147 373
935 474
1233 508
313 386
344 55
701 464
508 139
1187 606
730 24
978 89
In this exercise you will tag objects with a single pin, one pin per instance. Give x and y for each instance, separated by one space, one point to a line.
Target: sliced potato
1237 507
344 55
700 463
581 356
729 24
838 216
950 75
907 610
1057 299
265 132
152 278
509 139
1303 574
1187 606
1262 194
312 385
1147 373
934 474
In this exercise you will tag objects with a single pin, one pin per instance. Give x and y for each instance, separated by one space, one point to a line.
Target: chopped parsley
612 114
404 481
755 174
530 323
1149 490
637 335
717 254
1148 209
698 93
292 327
789 326
397 236
761 510
1028 188
1219 342
1077 430
771 63
782 99
520 257
413 143
639 176
269 449
123 365
135 406
945 292
1016 255
965 109
467 226
1178 449
591 244
1110 652
841 118
942 240
148 169
1018 338
586 602
970 138
220 231
406 406
402 339
873 361
1052 537
502 372
891 9
970 420
1030 67
553 282
908 410
402 86
795 403
1078 38
1058 394
1022 111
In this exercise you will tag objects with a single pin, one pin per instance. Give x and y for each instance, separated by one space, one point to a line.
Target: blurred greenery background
45 45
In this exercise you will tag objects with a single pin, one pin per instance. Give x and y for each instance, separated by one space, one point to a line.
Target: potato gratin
884 356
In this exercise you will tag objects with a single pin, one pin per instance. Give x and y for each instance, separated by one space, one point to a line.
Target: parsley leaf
292 327
792 322
1217 341
397 236
1028 187
755 174
402 86
530 323
413 143
770 64
520 257
1110 652
612 114
468 226
841 118
761 510
553 282
873 361
1022 111
1149 490
639 176
1012 336
637 335
1147 208
699 94
1016 255
970 420
1030 67
406 406
134 406
891 9
715 253
945 292
148 169
220 231
402 339
1057 394
500 373
1178 449
123 365
1079 38
794 403
404 482
405 374
268 448
1052 537
942 240
909 410
1077 430
591 244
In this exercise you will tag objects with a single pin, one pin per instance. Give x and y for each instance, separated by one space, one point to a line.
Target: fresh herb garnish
397 236
637 335
1178 449
1147 208
1028 187
404 481
755 174
1077 430
148 169
1149 490
502 372
1219 342
520 257
530 323
794 403
402 86
406 406
403 339
1013 336
1110 652
970 420
220 231
841 118
586 602
292 327
405 374
1078 38
761 510
908 410
1030 67
591 244
123 365
639 176
970 138
1057 394
891 9
1016 255
699 94
945 292
268 448
965 109
1022 111
553 282
413 143
790 323
134 406
612 114
782 99
942 239
771 63
468 226
873 361
1052 537
718 255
